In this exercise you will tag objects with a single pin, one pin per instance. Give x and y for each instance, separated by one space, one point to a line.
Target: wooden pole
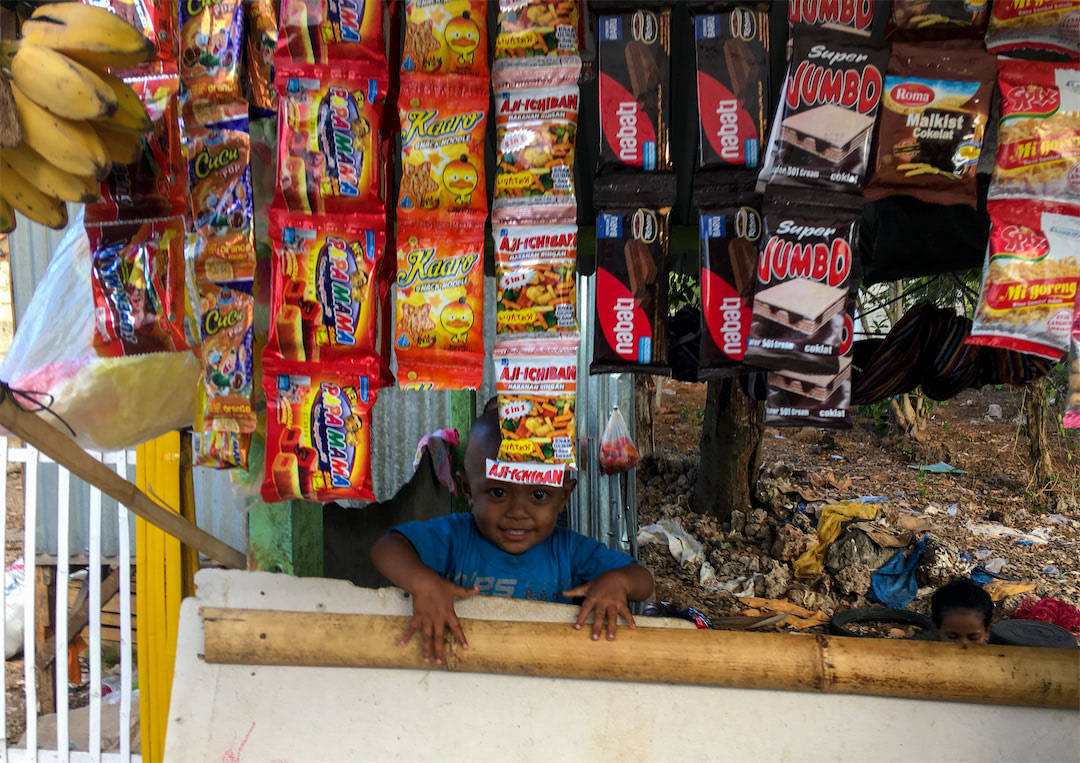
66 452
880 667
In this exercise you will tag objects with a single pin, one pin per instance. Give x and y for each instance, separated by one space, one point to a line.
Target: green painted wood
286 537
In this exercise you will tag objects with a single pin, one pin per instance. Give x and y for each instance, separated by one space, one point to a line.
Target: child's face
963 626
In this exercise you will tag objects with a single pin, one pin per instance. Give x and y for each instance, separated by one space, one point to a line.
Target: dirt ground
804 470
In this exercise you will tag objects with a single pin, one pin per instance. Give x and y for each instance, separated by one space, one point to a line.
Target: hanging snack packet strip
934 111
1029 280
827 111
732 86
442 150
152 185
535 132
536 43
856 18
226 331
211 36
1048 25
329 139
1071 419
138 284
631 291
331 31
261 42
219 187
1038 150
537 388
729 240
324 294
216 449
803 277
440 307
318 434
923 20
448 37
535 270
635 84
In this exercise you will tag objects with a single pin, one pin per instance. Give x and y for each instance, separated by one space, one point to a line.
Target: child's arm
606 596
433 597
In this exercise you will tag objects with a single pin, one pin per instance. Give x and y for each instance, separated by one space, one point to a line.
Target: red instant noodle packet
448 37
324 295
329 139
1052 26
138 285
226 329
318 434
442 150
323 31
440 307
211 37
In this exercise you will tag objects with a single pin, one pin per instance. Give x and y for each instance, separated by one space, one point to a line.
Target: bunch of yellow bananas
76 118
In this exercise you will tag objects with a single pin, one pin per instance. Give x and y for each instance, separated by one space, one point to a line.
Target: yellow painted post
163 573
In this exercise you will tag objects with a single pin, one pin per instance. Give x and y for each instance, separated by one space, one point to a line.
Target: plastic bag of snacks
320 31
536 41
535 268
537 388
1047 25
1072 414
618 453
449 37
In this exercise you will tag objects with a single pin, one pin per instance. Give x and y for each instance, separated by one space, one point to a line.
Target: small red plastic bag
618 453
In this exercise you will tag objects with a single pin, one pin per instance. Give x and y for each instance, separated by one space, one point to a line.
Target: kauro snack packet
324 294
329 139
933 115
226 329
210 51
447 37
261 43
537 388
1029 280
331 31
1038 150
535 132
442 150
535 271
440 306
1050 26
536 43
318 434
138 283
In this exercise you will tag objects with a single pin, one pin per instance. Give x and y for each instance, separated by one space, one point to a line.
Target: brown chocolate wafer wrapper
804 274
634 86
920 20
732 53
729 236
934 112
825 122
631 291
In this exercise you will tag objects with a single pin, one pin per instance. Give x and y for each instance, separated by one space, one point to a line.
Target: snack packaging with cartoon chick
448 37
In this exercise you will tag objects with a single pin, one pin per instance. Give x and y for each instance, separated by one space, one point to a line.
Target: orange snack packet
448 37
442 150
440 307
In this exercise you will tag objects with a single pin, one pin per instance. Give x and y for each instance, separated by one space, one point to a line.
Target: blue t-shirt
453 546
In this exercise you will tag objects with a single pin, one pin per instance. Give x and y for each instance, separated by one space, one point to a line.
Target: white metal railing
123 462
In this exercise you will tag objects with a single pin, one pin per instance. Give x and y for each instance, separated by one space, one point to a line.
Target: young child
962 611
508 546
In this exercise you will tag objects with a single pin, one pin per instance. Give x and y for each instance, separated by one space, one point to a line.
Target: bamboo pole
66 452
881 667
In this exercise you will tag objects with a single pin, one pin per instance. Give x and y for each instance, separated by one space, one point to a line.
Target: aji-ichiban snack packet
536 43
318 434
331 31
733 91
825 122
138 285
631 291
219 188
933 115
803 279
938 19
443 123
535 272
211 52
537 388
439 338
1029 280
729 240
1038 150
535 131
329 139
446 37
635 87
1047 26
226 333
324 302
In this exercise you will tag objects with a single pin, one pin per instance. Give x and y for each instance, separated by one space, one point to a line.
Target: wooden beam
66 452
881 667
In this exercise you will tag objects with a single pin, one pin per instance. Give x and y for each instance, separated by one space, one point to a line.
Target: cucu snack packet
210 52
447 37
226 332
535 272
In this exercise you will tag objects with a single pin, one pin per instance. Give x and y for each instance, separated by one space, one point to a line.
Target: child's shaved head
483 443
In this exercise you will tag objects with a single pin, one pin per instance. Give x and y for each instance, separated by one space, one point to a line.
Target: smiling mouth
515 534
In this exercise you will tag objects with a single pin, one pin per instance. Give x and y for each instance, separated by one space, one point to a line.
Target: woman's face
963 626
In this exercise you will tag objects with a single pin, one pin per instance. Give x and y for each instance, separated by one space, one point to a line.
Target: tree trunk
730 449
644 397
1038 446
